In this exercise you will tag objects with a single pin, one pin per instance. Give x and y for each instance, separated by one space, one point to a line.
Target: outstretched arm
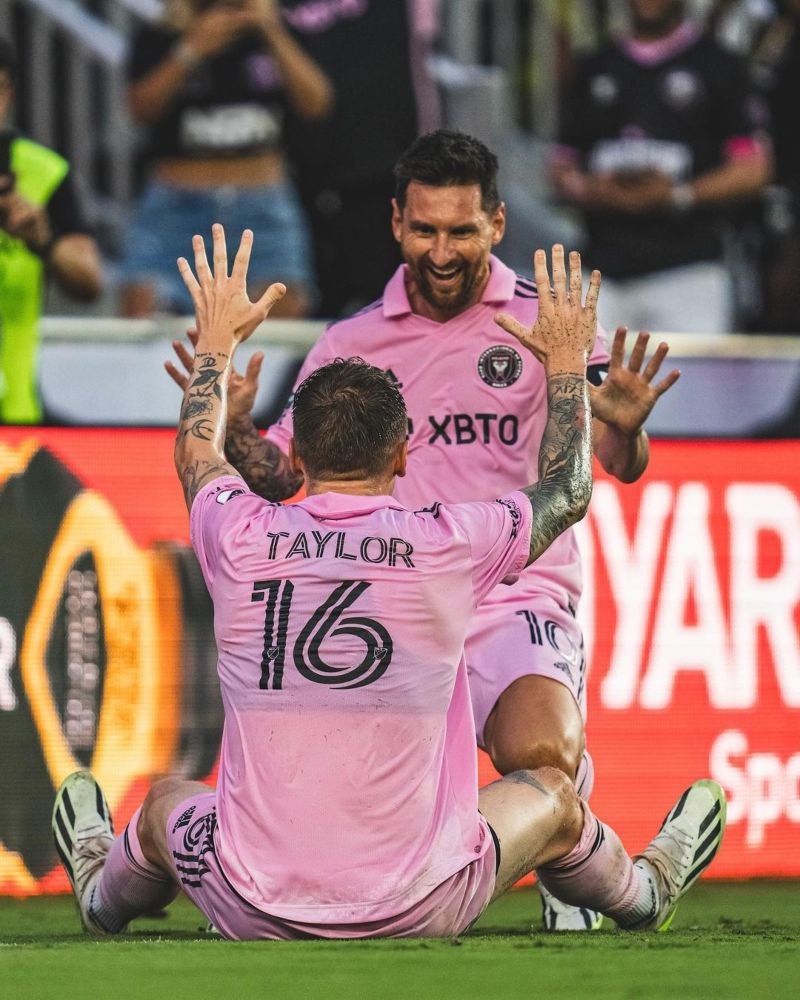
562 339
225 318
260 462
622 404
561 495
309 90
199 457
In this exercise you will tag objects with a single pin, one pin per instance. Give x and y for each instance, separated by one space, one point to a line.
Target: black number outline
326 621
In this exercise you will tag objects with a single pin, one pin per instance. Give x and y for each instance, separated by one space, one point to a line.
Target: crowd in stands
678 151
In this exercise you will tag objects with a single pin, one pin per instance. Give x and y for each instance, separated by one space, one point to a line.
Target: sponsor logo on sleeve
225 495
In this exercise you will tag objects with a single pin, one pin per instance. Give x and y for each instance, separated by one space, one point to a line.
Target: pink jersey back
347 784
477 403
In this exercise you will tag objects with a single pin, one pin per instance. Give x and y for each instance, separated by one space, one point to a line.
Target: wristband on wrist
682 197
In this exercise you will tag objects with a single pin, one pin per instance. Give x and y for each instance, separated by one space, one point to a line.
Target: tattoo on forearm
565 472
527 778
194 475
261 464
201 394
201 420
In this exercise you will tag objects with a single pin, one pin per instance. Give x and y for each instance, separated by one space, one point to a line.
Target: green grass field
728 940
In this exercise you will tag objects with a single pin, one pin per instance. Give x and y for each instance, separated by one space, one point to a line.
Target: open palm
627 395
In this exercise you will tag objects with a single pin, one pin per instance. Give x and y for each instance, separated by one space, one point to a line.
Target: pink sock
584 779
597 873
129 886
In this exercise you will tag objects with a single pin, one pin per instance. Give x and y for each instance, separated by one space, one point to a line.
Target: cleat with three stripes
558 916
684 847
83 834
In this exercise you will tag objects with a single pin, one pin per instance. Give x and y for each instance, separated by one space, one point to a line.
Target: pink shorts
449 910
525 635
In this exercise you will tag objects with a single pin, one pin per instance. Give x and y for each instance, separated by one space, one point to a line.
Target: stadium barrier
732 386
690 615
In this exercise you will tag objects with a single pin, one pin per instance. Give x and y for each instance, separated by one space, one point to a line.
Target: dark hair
8 59
446 159
348 419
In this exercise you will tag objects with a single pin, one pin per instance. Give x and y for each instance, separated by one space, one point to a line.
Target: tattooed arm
562 339
561 495
199 456
260 462
225 317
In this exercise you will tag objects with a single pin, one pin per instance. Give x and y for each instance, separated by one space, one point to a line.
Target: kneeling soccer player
347 803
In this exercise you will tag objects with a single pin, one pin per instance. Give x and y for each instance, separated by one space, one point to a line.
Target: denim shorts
166 217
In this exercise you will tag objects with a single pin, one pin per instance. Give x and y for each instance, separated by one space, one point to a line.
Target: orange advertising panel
107 655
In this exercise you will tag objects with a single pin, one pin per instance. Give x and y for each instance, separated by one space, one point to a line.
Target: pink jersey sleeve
499 535
320 354
223 505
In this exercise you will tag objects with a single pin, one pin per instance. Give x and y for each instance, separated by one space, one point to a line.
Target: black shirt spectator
661 137
233 103
374 54
680 118
210 86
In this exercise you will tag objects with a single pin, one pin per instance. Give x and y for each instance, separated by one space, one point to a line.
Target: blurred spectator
738 25
777 63
212 84
375 55
661 136
42 234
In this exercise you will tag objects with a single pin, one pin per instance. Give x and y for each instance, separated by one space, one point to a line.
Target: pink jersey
477 404
348 781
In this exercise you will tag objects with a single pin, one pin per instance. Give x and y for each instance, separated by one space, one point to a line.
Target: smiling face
446 238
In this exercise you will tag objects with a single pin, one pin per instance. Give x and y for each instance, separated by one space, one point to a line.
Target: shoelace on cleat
90 851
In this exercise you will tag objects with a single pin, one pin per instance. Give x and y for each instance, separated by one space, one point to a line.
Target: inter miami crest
499 366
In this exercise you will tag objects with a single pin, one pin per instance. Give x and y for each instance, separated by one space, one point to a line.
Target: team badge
682 88
604 88
499 366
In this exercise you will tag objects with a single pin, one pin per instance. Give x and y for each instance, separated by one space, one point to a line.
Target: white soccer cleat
558 916
684 847
83 834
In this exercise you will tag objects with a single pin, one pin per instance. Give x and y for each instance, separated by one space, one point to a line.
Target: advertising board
690 612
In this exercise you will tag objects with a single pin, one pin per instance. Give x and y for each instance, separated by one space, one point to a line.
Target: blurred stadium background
693 575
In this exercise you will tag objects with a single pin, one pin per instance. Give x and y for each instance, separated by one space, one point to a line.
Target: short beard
449 305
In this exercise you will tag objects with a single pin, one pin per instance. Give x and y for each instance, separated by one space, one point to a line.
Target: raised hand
561 338
628 394
242 389
25 221
225 315
563 335
216 28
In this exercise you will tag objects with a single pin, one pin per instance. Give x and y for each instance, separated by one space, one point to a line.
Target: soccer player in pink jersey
347 802
477 411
